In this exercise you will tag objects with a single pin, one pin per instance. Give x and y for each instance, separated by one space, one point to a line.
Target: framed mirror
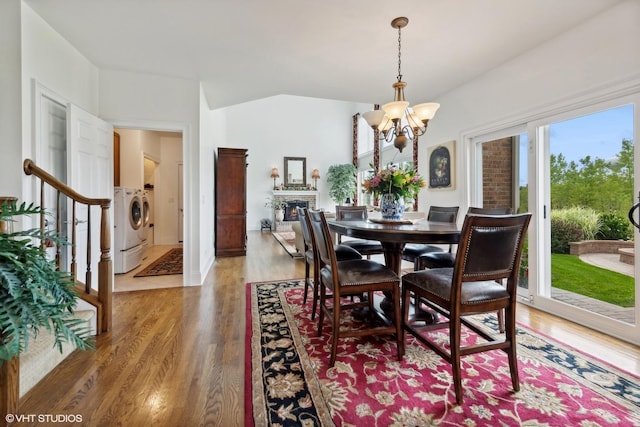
295 171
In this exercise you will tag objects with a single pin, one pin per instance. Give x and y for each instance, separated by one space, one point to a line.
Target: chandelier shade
396 120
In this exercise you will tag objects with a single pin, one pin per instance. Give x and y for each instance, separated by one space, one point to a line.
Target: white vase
279 215
390 208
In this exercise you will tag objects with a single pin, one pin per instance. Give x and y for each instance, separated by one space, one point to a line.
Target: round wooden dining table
394 235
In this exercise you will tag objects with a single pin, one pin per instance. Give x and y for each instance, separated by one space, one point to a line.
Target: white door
90 160
590 149
51 135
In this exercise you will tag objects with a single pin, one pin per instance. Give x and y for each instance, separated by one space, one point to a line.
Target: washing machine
127 222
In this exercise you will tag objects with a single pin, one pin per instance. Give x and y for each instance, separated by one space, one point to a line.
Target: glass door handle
631 218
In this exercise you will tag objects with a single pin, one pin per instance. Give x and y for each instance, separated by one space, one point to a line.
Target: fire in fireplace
291 210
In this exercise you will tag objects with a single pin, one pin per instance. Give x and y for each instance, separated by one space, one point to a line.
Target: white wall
48 58
10 100
162 103
287 126
602 51
208 132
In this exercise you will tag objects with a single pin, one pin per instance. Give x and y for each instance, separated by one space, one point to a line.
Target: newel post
9 369
9 388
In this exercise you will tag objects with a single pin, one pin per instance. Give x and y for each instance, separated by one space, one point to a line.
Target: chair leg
454 340
510 334
316 284
398 322
335 332
406 301
306 281
500 316
323 300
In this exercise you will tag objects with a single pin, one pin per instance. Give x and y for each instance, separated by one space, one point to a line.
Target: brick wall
497 173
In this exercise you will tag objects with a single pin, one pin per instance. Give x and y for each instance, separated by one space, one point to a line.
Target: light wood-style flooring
175 356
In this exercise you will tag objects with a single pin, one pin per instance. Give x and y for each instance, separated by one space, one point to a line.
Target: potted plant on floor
277 206
35 295
342 182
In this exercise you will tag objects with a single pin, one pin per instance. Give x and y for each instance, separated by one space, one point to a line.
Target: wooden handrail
102 299
30 168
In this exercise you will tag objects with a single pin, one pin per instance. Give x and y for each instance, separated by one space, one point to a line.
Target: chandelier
397 121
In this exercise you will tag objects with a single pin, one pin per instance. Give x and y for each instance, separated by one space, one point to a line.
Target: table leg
393 260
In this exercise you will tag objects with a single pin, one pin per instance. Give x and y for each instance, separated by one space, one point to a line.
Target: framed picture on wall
442 166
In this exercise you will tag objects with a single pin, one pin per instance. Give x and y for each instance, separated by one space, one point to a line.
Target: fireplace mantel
295 193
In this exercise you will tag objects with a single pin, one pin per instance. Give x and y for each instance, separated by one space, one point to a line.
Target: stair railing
102 298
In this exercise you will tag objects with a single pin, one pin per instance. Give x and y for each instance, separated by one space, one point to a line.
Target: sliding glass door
575 171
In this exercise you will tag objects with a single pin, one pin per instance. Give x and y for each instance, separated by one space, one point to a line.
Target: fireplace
291 210
308 198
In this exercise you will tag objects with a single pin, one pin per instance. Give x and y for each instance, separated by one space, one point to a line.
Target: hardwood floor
175 356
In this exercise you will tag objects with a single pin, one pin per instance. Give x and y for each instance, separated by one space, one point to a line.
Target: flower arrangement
275 204
400 183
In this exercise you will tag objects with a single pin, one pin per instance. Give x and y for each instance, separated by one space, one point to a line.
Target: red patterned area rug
169 263
288 382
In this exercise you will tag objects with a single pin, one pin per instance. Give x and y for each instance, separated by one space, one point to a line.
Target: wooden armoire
231 205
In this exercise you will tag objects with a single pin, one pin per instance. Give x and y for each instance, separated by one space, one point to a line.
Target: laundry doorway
150 161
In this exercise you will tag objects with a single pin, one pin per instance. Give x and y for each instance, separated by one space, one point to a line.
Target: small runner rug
288 382
287 240
168 263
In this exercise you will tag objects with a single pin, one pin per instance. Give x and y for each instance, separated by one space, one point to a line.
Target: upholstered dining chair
489 251
358 213
311 259
413 251
443 259
352 277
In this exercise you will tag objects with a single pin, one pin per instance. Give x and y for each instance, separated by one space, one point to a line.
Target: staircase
21 374
42 355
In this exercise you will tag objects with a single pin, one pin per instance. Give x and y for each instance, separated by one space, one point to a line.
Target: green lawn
568 272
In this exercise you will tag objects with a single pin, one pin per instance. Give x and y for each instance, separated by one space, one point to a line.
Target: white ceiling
243 50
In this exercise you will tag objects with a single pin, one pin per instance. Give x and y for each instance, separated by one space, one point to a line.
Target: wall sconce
315 175
274 175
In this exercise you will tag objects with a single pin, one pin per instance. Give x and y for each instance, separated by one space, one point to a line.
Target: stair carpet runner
42 356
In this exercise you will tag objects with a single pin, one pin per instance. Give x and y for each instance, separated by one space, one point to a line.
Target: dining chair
413 251
489 251
353 277
358 213
446 259
311 259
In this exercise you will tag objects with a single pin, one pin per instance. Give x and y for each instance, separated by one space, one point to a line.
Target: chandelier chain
399 53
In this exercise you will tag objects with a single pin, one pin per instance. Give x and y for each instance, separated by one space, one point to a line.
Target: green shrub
586 219
562 233
614 227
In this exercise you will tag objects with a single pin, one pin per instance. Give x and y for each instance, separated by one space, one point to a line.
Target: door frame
189 276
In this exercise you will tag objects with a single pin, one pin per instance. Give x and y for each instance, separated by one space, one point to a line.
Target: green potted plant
35 295
342 182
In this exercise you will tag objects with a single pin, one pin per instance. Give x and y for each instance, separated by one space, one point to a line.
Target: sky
598 135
